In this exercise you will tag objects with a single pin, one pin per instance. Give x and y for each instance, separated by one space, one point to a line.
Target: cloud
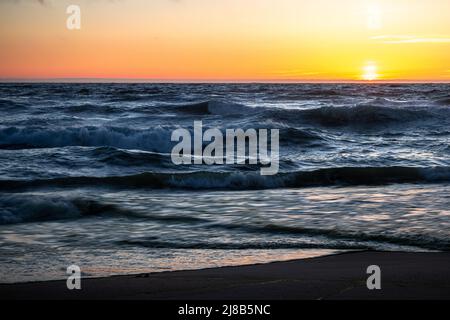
397 39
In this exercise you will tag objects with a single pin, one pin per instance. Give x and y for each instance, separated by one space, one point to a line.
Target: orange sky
257 40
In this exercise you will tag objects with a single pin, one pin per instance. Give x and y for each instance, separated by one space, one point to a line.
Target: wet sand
341 276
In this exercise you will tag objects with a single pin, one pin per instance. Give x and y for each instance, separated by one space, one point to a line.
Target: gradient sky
227 40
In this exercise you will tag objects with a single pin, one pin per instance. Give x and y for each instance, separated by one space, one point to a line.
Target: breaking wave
363 115
19 208
247 180
156 139
215 108
379 111
33 208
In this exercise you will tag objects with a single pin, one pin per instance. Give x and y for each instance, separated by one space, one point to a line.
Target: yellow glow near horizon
370 72
202 40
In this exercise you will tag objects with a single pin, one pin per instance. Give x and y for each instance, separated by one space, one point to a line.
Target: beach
404 275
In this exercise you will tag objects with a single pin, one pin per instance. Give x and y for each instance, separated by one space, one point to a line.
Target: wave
8 105
342 176
323 92
336 239
298 136
92 108
158 244
33 208
214 107
123 157
444 101
28 208
379 111
127 158
156 139
20 208
363 115
428 241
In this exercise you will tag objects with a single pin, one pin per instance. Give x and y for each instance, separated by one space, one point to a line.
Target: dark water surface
86 175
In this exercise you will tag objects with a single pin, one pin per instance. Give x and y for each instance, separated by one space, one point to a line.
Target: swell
340 176
9 105
158 244
444 101
121 157
214 107
375 112
18 208
32 208
423 241
92 108
363 115
156 139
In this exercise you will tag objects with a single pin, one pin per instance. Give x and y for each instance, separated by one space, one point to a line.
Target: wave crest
214 107
156 139
33 208
379 111
340 176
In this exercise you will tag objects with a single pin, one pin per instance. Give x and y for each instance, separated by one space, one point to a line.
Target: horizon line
193 81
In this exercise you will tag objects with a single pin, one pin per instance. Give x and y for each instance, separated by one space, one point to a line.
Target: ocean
86 175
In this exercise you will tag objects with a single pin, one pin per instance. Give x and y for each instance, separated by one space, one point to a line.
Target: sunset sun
370 72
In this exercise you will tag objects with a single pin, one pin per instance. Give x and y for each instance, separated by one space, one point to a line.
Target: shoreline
281 256
404 275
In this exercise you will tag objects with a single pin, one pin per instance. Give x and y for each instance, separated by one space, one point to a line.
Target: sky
227 40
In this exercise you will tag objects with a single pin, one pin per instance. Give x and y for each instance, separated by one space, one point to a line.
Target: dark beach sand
341 276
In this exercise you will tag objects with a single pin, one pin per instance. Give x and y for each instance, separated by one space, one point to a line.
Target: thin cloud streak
398 39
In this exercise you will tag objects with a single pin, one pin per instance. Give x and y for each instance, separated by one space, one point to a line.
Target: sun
370 72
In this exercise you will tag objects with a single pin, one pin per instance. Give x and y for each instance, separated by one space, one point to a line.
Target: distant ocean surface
86 175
